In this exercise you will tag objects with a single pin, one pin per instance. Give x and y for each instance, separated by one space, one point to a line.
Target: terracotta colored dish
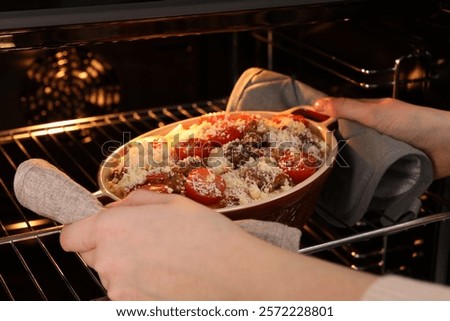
292 207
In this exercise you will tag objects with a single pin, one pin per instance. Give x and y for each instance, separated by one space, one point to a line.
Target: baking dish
292 207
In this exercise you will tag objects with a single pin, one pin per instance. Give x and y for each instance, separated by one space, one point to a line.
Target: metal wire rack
33 265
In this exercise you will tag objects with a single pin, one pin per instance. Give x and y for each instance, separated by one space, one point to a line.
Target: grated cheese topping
245 152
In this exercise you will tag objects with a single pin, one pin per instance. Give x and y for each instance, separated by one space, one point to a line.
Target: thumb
79 236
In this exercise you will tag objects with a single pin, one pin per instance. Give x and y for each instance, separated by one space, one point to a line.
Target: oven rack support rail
382 231
358 237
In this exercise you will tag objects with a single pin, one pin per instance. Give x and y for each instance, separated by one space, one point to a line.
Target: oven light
97 65
62 62
61 54
92 72
23 225
69 84
101 97
80 74
60 74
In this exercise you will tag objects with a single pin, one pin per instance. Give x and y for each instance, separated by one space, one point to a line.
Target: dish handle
103 197
311 114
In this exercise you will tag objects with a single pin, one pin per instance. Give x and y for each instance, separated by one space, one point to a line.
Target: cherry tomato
229 127
159 188
156 178
193 147
227 134
156 182
204 186
295 166
213 118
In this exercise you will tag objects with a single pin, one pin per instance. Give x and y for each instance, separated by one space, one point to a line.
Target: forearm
166 247
393 287
323 280
282 275
309 278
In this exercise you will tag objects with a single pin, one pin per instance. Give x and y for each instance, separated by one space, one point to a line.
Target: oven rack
407 65
32 264
416 248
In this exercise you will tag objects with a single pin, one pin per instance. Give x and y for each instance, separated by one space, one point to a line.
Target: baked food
223 160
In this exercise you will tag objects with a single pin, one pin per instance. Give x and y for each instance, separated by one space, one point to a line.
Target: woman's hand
427 129
153 246
161 246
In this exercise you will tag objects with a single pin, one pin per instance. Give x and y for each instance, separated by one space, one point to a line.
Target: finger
79 236
323 106
348 108
144 197
358 110
334 107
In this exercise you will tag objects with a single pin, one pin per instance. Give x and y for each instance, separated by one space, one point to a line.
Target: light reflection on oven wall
69 84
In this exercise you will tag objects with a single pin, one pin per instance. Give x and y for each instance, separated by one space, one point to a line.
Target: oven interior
69 89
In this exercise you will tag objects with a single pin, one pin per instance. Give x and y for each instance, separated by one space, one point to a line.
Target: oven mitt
44 189
373 172
260 89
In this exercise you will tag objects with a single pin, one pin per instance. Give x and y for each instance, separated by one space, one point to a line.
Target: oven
76 74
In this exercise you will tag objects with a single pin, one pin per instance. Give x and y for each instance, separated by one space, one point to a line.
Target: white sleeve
393 287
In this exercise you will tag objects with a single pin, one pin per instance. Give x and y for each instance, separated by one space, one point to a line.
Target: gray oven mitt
47 191
372 171
260 89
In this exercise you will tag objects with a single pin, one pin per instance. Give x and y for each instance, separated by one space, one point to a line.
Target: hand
427 129
167 247
158 246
